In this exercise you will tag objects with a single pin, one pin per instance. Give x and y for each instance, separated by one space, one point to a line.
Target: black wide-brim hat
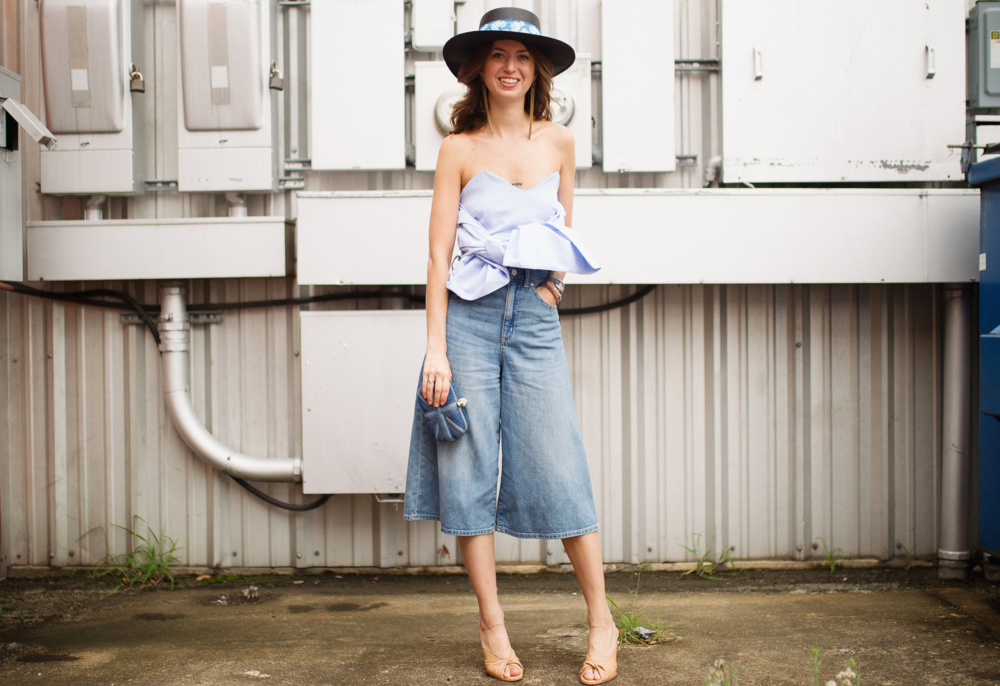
508 23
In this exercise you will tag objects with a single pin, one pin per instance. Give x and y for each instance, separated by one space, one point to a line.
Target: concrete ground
902 627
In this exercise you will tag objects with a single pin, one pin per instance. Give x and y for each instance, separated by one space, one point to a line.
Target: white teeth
508 80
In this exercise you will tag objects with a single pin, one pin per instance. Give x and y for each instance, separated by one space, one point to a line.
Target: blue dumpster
986 176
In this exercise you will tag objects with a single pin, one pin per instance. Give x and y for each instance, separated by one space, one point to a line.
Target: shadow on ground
902 627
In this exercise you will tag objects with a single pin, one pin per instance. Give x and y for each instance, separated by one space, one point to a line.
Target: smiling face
509 70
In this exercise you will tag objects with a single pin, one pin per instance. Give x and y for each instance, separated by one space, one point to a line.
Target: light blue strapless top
502 226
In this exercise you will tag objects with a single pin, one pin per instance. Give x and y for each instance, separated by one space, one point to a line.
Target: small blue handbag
449 421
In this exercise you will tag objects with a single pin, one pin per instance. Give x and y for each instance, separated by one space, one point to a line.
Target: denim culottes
506 355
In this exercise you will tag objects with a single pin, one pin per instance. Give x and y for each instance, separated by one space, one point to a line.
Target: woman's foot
601 646
496 643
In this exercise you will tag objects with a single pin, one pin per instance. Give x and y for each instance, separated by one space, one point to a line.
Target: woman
504 185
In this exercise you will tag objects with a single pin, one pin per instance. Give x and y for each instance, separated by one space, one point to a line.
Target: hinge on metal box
291 183
193 318
159 185
297 164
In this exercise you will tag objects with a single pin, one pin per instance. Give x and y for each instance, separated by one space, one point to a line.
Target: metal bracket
193 318
161 185
687 160
291 183
389 497
295 164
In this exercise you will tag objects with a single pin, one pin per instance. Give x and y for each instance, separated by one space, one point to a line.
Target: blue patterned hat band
511 25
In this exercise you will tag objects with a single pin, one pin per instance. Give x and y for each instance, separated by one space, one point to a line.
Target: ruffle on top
501 226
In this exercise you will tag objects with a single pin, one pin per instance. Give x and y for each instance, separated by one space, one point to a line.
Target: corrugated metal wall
760 416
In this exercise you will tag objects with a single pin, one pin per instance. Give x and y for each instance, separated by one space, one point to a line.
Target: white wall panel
760 416
637 81
11 226
431 79
840 91
156 249
662 236
359 374
356 112
576 81
432 22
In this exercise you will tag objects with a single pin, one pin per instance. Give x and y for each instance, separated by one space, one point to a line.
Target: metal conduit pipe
953 555
175 337
92 211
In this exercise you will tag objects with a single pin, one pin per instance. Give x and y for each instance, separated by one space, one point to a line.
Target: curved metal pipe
175 336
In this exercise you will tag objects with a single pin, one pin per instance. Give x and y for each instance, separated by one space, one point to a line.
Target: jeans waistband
528 276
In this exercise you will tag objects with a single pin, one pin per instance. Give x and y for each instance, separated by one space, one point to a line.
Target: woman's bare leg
585 554
480 562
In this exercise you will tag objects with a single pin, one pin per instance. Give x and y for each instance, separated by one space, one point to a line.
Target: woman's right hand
437 378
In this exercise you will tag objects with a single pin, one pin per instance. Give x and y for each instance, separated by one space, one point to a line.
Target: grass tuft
633 627
147 565
705 564
831 555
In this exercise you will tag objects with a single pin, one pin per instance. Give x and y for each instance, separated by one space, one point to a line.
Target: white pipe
237 204
175 330
953 555
92 211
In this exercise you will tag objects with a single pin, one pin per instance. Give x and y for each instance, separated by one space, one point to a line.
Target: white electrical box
359 442
11 228
432 23
357 111
847 91
637 86
88 50
436 91
226 138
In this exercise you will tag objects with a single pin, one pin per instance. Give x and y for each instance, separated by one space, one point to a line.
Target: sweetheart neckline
523 190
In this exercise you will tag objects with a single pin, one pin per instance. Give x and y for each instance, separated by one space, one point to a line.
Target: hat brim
461 47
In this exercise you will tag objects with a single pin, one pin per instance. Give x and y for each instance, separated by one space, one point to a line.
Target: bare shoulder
453 153
455 146
561 135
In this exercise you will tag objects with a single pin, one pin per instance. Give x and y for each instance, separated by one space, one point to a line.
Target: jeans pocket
534 289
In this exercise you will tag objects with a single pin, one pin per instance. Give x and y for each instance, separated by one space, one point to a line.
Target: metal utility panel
360 372
847 91
637 82
982 35
82 43
433 23
221 65
88 48
357 112
11 229
226 137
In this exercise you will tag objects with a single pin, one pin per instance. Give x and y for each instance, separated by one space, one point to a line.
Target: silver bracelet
560 286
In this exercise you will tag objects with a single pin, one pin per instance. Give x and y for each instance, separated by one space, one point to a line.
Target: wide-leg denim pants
507 359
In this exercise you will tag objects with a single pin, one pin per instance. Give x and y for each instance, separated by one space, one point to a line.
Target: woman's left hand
545 294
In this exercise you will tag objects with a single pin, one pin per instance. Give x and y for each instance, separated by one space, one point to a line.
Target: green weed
908 552
705 565
849 674
831 555
633 627
721 673
147 565
814 663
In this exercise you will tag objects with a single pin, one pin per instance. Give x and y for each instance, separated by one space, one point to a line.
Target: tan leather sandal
495 665
607 669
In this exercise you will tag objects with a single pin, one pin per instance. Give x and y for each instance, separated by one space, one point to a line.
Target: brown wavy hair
470 112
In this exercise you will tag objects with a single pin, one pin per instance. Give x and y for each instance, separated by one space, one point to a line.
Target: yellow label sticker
994 35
